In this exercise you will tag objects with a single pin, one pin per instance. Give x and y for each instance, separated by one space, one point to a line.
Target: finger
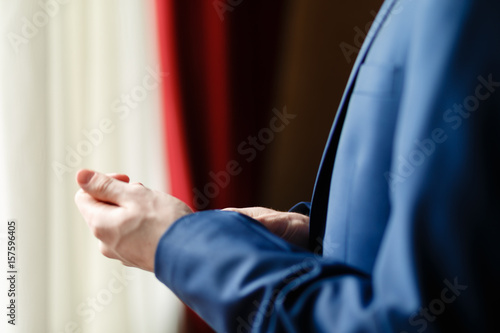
231 209
292 227
99 216
276 223
237 210
102 187
88 204
253 212
119 176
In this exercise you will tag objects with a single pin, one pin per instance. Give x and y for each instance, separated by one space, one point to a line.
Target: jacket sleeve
437 267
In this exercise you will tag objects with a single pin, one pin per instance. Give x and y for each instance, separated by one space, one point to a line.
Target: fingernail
85 176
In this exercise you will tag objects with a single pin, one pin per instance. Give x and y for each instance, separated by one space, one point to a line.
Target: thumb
119 176
101 187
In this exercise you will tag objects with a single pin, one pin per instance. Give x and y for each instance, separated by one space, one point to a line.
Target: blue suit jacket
405 216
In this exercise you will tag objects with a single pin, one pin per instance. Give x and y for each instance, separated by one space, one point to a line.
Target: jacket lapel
322 186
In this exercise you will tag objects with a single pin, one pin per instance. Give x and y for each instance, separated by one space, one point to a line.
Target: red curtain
222 59
175 136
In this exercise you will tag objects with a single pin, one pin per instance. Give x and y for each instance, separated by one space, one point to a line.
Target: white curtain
78 88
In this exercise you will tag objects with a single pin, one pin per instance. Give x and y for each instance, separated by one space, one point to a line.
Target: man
405 216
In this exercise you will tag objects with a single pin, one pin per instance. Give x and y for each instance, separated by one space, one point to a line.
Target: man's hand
128 219
292 227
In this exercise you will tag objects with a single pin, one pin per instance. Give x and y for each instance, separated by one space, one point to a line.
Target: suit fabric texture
405 215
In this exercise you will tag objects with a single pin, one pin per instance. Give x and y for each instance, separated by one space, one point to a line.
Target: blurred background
218 102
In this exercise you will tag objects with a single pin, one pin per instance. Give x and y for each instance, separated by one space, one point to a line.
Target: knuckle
98 232
102 233
143 199
106 251
136 190
103 184
141 191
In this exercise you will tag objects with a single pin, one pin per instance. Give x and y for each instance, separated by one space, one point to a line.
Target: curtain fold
179 172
